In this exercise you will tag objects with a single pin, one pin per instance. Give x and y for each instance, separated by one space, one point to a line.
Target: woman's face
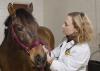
68 27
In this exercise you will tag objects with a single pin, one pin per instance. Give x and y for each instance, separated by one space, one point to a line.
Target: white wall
54 14
38 12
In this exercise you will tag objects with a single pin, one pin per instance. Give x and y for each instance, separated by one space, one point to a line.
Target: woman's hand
45 49
49 58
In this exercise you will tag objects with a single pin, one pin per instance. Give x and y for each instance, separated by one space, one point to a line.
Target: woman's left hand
49 58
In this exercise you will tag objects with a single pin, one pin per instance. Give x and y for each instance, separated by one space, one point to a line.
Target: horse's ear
30 7
11 9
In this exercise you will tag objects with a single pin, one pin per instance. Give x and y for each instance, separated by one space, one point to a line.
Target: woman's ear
11 9
30 7
76 30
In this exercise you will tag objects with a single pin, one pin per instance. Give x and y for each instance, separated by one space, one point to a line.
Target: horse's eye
31 34
20 28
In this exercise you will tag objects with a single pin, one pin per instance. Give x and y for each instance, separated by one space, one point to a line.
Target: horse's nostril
40 60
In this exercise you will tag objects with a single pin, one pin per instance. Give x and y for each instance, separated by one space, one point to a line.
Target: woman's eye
66 24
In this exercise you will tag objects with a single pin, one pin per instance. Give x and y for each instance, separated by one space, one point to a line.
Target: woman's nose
63 25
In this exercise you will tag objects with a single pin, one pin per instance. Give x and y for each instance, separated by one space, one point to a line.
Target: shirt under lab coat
76 60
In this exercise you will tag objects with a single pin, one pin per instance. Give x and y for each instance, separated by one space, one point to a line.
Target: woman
73 53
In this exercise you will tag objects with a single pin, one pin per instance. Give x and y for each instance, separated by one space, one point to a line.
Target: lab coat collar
70 44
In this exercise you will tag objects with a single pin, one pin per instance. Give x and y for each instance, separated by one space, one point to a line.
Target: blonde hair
83 26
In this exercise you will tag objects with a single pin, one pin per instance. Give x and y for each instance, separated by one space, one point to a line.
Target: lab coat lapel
66 45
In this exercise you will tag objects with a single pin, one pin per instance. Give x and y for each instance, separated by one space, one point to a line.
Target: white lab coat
76 60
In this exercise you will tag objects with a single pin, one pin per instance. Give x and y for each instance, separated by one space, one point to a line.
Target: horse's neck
12 55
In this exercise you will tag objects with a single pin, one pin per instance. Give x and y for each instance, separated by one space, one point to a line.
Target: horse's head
23 29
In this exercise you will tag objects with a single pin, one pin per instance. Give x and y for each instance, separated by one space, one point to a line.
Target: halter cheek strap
17 39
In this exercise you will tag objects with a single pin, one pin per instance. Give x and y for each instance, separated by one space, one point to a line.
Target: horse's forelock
24 16
21 14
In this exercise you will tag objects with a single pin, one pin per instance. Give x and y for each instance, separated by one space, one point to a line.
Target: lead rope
43 68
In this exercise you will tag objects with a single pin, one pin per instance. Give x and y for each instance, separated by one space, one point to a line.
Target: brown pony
46 35
21 49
